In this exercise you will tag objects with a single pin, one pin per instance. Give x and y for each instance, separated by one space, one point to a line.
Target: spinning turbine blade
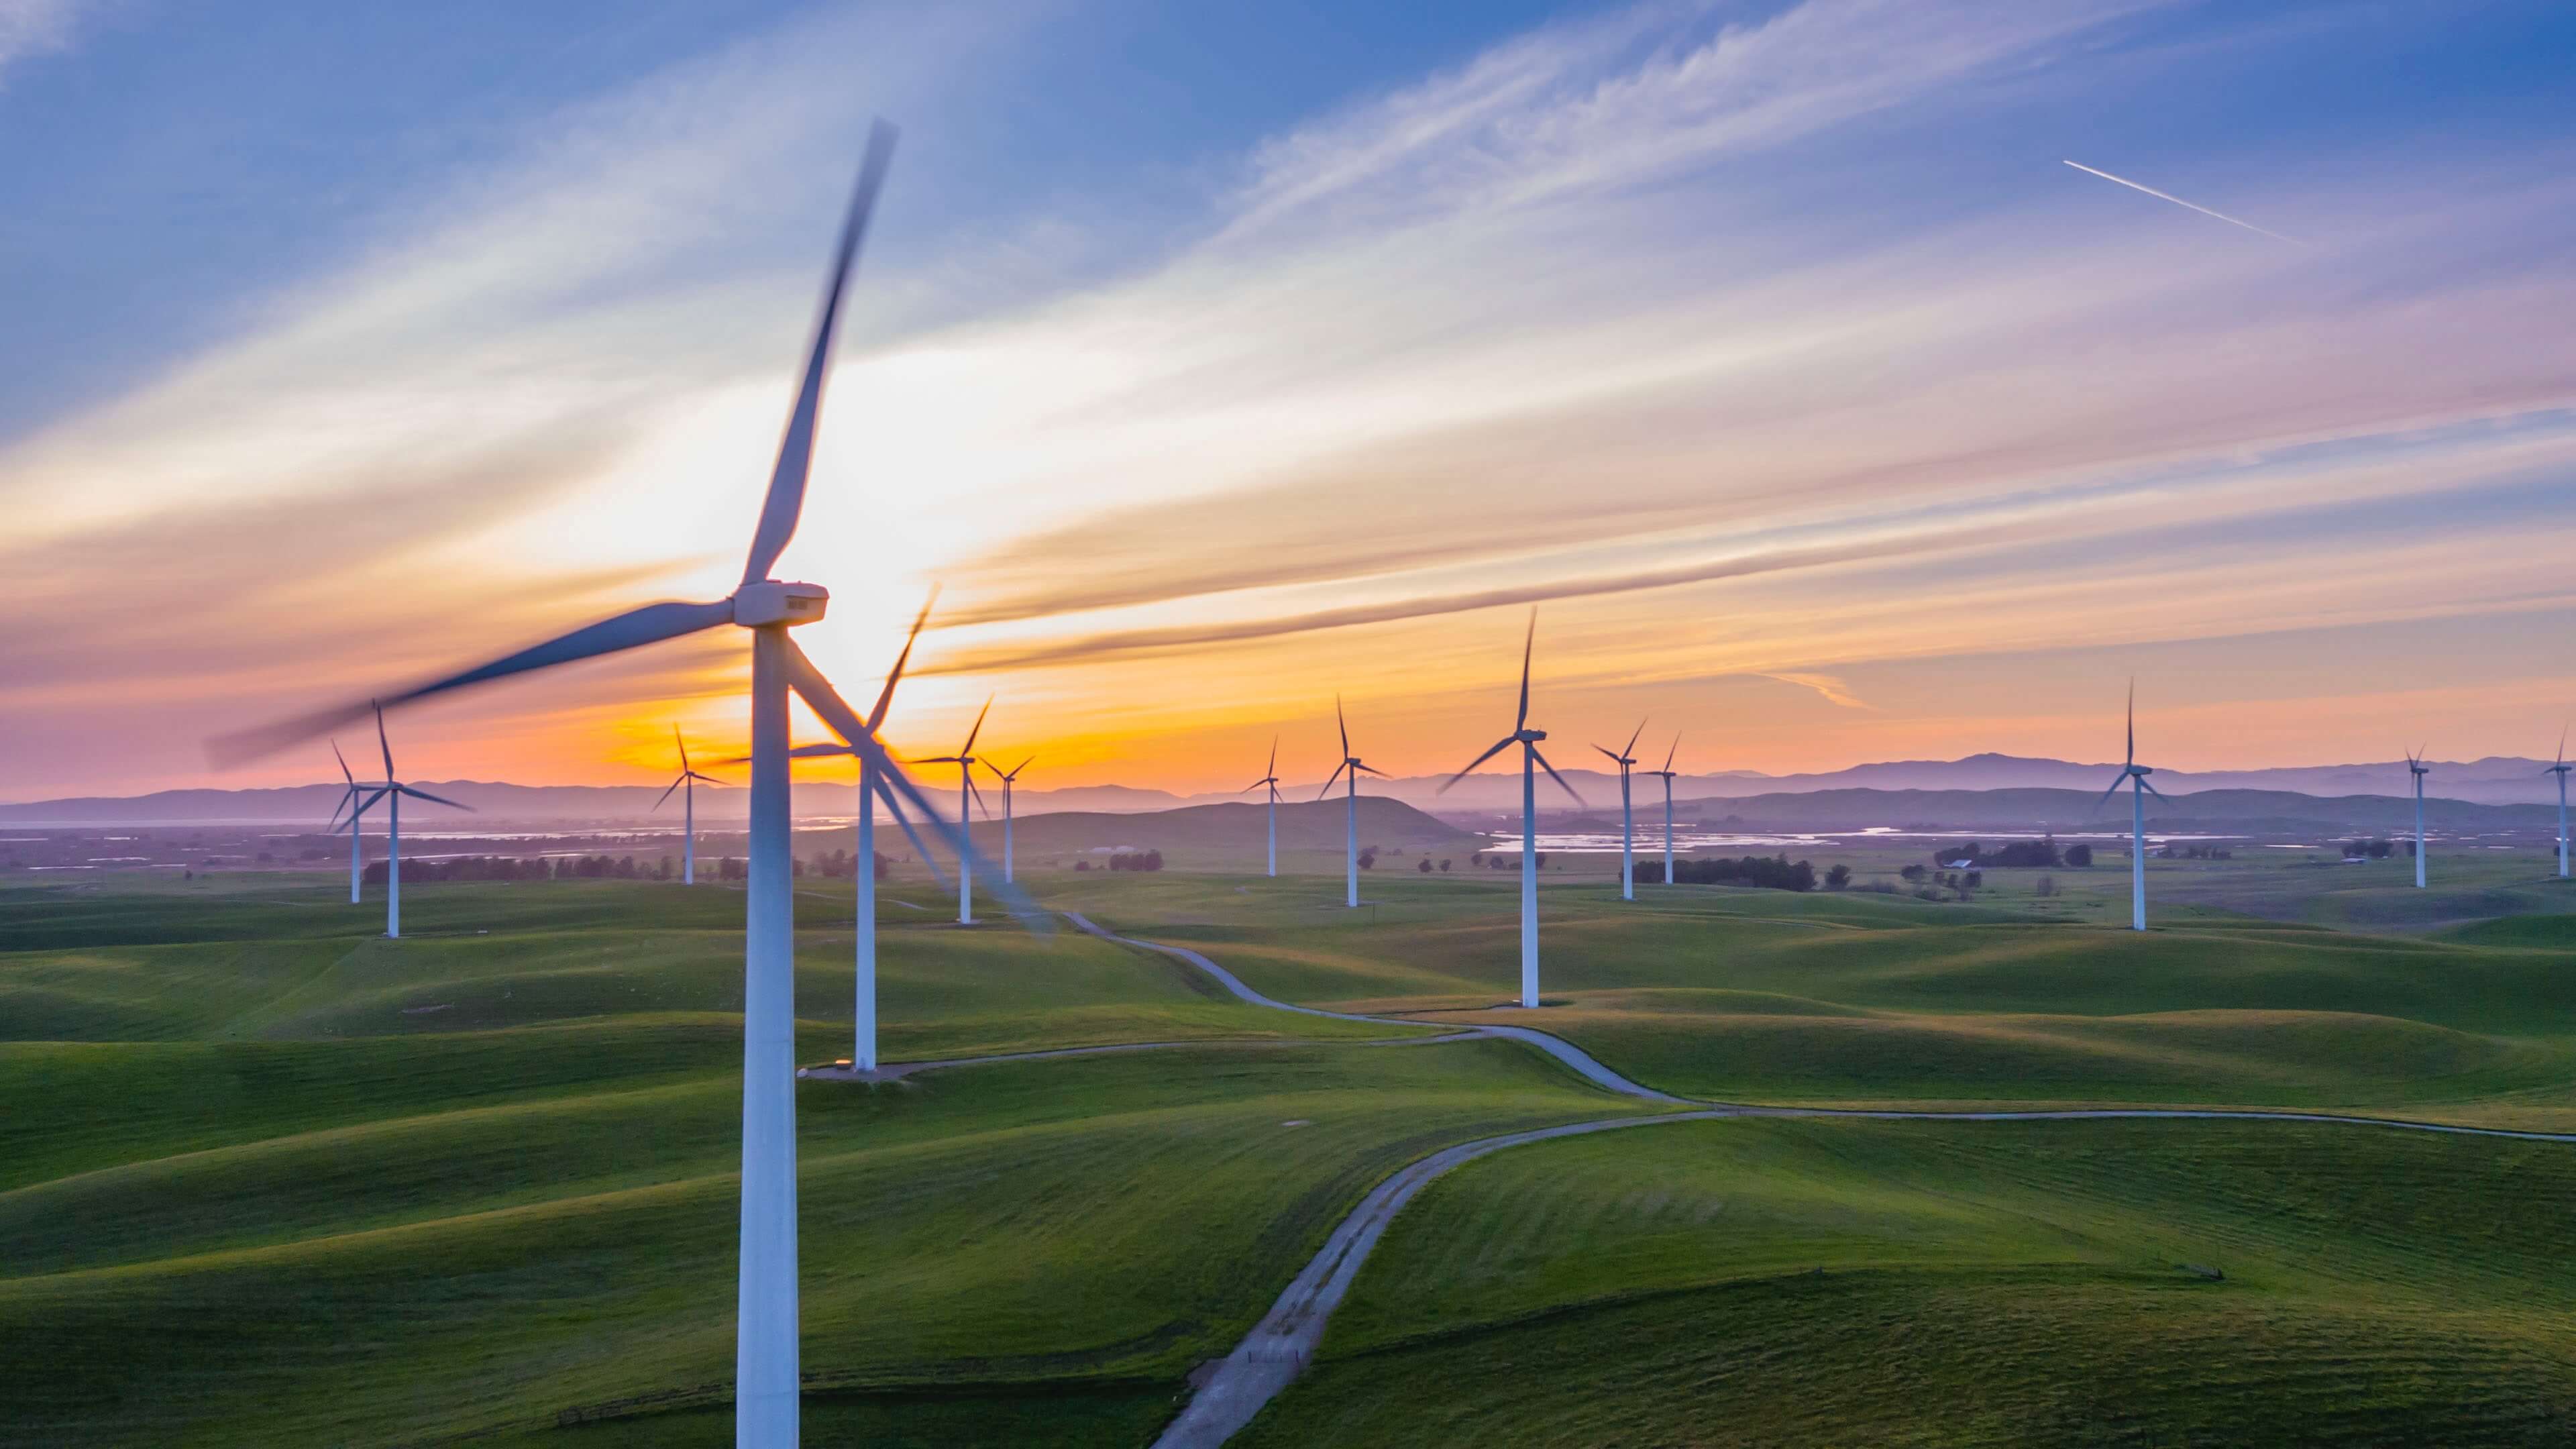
1529 641
1500 745
1630 748
803 752
1272 769
1369 770
2133 723
1559 779
1605 754
667 794
382 744
684 749
977 795
1331 778
433 799
353 780
786 500
2107 794
1344 724
1668 754
885 696
964 754
920 847
2151 789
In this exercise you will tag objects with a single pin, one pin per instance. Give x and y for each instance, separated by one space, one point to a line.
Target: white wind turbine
2560 770
765 1342
1666 775
2415 766
967 797
1351 812
352 797
1270 778
687 786
1527 738
391 792
1008 779
2134 775
1628 820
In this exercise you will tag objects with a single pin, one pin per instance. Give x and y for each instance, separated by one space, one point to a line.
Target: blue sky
1219 357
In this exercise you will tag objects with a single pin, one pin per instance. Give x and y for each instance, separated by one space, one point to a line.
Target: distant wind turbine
2560 770
1352 766
371 794
1527 738
1271 779
2134 775
687 786
1628 820
766 1379
968 797
2415 766
1007 780
391 793
1666 774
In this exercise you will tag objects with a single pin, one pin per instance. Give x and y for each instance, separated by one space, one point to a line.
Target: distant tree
1837 877
2044 886
1424 866
1771 872
1542 859
1082 865
1368 858
2080 856
1973 880
885 867
1444 866
1914 873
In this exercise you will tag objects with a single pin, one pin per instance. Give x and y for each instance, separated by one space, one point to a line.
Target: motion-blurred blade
2151 788
1344 724
885 696
344 765
1331 778
684 749
1272 769
1614 759
1529 641
786 501
920 847
1559 779
977 796
383 744
1630 748
801 752
836 714
346 796
648 625
2133 721
1500 745
2107 794
969 750
675 789
1668 754
433 799
707 779
1369 770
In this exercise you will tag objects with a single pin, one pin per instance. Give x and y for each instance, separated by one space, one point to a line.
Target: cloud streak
2193 205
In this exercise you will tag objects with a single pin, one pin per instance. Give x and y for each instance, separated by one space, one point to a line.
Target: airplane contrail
2178 201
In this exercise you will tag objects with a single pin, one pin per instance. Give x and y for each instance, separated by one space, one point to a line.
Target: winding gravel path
1283 1342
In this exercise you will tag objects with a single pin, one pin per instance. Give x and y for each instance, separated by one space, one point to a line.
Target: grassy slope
1999 1283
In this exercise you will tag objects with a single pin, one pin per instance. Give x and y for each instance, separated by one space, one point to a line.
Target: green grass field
266 1177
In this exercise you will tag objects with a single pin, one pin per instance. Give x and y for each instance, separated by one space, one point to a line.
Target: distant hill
2262 812
529 804
1236 827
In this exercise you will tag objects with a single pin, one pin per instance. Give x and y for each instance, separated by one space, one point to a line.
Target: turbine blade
383 744
977 796
1370 770
1630 748
2151 789
1345 725
353 780
1331 778
786 500
920 847
1499 746
1605 754
1529 641
369 803
1022 765
345 797
1559 779
2133 721
1667 770
684 749
835 713
709 779
667 794
885 696
1273 767
648 625
2106 796
433 799
977 730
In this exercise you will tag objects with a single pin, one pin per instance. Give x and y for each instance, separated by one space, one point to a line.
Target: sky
1214 361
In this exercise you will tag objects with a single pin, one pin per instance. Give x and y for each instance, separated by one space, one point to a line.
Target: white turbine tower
765 1342
1628 820
2415 766
391 792
1527 738
968 798
2560 770
687 786
2134 775
1007 779
352 797
1351 813
1271 779
1666 775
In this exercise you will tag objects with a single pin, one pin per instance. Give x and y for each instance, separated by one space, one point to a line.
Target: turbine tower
1007 780
1270 778
372 794
2560 770
391 792
765 1335
968 797
1351 816
1666 775
687 786
1527 738
1628 820
2134 775
2415 766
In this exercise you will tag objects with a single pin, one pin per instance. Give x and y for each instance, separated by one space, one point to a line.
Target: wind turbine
391 792
1351 817
2415 766
2560 770
2134 775
1666 774
372 794
967 795
1007 780
1527 738
687 786
1628 820
1271 779
765 1338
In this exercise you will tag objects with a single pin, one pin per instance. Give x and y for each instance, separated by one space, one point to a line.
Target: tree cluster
1136 860
1770 872
2017 854
481 867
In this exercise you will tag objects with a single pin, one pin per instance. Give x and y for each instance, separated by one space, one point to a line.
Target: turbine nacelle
1529 736
772 602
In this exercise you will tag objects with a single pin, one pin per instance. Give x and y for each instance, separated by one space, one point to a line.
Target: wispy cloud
36 27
